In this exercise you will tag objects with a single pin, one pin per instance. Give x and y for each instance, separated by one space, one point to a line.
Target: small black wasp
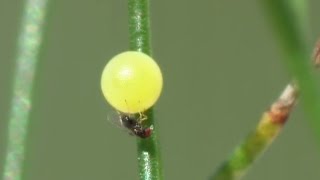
134 123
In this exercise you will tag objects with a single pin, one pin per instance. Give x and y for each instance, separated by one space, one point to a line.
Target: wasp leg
142 117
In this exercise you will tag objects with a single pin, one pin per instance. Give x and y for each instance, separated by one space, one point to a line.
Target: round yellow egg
131 82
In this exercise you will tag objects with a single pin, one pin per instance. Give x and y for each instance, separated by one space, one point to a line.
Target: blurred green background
222 68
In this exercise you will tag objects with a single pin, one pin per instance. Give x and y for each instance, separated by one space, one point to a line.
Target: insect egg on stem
132 82
131 79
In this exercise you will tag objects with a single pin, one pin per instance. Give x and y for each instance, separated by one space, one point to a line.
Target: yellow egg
131 82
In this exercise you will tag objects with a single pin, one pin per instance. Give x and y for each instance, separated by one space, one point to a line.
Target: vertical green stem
149 162
29 43
139 26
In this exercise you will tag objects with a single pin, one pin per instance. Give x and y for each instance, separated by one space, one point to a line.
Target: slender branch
29 43
259 140
287 19
316 55
149 162
139 26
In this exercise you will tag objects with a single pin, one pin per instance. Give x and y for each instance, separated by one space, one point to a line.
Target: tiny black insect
133 123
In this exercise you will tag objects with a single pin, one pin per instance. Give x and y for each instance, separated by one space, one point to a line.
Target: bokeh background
222 68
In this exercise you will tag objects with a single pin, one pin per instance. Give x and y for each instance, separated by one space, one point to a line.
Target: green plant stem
149 161
29 43
259 139
289 23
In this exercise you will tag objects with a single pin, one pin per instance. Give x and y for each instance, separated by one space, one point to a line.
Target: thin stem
316 55
139 26
258 140
287 19
29 43
149 161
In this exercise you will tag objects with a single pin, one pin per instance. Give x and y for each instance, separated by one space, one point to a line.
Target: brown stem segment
281 109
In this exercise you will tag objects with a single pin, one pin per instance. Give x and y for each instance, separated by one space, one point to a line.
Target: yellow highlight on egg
131 82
